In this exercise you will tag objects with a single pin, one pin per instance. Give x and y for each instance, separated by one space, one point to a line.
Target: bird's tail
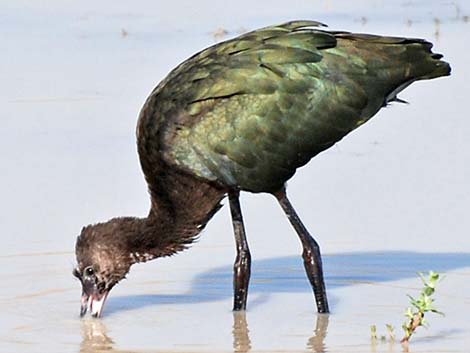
424 64
395 62
407 59
419 63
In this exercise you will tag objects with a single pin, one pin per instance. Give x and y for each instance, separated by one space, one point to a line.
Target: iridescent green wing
258 107
249 111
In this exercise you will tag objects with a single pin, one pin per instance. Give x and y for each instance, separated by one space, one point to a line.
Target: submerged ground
388 201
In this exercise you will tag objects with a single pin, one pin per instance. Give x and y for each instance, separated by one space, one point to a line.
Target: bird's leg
311 253
242 265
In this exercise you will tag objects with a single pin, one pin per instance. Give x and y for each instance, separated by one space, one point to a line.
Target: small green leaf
423 304
373 332
409 313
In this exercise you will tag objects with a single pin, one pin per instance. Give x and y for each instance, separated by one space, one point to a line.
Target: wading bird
243 115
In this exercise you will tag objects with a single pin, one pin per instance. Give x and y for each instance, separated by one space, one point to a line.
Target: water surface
389 200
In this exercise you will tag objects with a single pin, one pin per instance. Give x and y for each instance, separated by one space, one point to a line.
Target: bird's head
106 251
103 259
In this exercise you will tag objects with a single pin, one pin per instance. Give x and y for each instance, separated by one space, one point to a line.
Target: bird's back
249 111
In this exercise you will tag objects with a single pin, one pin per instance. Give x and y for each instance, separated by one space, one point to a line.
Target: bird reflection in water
242 341
316 343
95 338
241 333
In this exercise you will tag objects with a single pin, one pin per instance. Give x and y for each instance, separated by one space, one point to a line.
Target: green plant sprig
420 306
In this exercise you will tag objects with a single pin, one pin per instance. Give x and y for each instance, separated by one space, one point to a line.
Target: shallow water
388 201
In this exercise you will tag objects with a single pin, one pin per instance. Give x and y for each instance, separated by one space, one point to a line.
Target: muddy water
388 201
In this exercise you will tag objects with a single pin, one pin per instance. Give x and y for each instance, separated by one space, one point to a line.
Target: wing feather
249 111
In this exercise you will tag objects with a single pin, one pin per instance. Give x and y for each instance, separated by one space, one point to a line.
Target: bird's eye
89 271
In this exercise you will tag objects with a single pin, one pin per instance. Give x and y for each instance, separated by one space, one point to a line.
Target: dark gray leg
311 253
242 265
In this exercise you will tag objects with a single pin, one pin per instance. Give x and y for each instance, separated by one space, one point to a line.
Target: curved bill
92 303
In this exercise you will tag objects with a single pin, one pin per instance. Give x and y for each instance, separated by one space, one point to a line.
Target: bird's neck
157 236
180 210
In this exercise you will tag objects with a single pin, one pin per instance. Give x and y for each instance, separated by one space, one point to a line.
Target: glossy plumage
244 115
249 111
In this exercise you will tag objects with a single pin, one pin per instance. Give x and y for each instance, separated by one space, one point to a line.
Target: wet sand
388 201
